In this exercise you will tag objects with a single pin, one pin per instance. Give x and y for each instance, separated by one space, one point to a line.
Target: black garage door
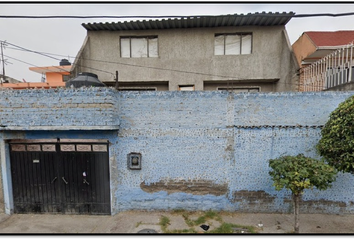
60 177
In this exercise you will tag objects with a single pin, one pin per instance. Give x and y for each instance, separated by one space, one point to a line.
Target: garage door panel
62 177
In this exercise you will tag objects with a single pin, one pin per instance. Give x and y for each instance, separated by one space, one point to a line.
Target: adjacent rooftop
338 38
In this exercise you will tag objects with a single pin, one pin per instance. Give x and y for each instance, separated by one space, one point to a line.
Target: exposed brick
197 187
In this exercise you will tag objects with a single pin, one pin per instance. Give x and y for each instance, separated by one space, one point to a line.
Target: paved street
131 222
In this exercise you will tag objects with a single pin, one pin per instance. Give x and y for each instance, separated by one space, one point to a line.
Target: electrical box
134 161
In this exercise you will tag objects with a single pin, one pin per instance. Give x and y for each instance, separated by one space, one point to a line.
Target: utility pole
3 63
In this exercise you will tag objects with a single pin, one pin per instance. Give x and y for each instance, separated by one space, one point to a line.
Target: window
186 88
138 47
137 89
240 89
233 44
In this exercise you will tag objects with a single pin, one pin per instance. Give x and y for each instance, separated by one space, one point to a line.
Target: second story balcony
334 72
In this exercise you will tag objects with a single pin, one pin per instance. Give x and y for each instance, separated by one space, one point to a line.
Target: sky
63 38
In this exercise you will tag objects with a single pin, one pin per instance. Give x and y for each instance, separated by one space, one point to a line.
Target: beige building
235 52
324 58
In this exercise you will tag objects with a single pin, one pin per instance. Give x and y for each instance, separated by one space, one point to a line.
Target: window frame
137 89
232 89
240 34
147 38
181 87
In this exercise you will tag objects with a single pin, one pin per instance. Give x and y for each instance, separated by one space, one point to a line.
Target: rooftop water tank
64 62
85 79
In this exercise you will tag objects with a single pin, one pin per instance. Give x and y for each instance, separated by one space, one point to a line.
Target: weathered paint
58 109
224 139
190 142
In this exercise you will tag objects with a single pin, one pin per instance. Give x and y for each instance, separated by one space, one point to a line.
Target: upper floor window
233 44
186 88
138 47
240 89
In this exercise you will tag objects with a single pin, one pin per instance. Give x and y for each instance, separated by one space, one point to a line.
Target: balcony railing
333 70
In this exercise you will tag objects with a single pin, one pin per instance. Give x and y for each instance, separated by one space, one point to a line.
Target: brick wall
200 150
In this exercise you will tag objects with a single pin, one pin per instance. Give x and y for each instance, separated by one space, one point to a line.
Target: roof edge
196 21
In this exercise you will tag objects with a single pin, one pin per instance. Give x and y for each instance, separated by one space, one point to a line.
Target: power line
323 15
53 54
28 50
127 64
20 60
227 78
179 16
58 67
18 16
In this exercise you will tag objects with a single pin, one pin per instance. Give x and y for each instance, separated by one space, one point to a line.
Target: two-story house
227 52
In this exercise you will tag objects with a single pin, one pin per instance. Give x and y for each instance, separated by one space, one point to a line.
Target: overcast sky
64 37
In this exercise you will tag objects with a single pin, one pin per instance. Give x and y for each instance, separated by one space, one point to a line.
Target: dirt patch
196 187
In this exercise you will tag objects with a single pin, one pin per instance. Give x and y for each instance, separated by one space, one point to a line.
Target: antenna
3 62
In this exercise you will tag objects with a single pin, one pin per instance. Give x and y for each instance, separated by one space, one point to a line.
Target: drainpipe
117 85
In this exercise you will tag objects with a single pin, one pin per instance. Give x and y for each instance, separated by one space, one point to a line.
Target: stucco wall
58 109
2 208
303 47
221 142
200 150
343 87
186 56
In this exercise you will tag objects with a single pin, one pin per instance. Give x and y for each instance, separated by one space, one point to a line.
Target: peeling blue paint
219 137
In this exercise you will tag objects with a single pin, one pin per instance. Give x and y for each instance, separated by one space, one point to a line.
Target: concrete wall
303 47
186 56
342 87
204 150
2 207
200 150
58 109
52 114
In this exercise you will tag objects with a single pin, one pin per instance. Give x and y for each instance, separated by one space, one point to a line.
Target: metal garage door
69 176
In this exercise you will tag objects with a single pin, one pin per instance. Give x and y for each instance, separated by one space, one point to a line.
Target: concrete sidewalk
132 222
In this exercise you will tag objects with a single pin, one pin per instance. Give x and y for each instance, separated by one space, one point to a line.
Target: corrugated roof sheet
251 19
338 38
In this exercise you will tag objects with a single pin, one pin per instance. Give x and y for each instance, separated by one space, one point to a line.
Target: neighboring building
227 52
53 76
314 46
7 79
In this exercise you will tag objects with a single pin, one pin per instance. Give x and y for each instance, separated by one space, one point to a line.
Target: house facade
235 52
318 51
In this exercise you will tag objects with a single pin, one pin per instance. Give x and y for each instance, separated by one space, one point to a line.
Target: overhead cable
197 16
227 78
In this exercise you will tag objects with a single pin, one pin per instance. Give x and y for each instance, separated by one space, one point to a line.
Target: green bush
336 145
297 173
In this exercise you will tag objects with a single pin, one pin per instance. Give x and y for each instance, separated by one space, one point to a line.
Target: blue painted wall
192 143
221 138
58 108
